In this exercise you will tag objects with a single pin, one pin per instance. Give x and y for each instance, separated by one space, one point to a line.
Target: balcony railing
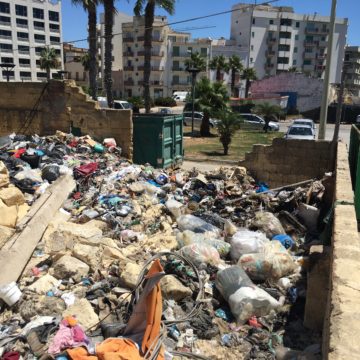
154 39
153 68
271 41
270 53
153 53
178 69
152 83
316 31
180 83
128 39
311 43
129 68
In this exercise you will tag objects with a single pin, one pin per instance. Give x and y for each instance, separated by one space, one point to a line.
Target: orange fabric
71 321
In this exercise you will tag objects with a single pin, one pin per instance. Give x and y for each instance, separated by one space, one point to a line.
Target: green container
158 139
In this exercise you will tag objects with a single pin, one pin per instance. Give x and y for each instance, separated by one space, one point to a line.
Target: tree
249 74
196 61
149 6
210 98
49 60
219 64
85 61
90 8
109 10
235 66
267 110
228 125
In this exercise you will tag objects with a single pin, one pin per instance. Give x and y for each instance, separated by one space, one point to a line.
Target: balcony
284 54
270 53
128 54
308 67
283 66
152 83
6 37
309 55
6 50
285 28
129 82
180 55
128 39
311 43
323 44
153 53
128 68
52 42
273 27
271 41
316 31
284 41
22 52
176 68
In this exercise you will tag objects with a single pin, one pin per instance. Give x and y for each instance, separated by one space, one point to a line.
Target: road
344 133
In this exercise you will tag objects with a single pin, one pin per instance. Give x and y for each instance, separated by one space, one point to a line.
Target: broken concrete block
130 274
4 175
111 254
8 215
83 312
172 288
69 267
12 196
22 211
41 306
88 254
5 234
44 284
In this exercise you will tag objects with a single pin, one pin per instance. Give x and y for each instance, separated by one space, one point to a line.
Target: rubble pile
234 252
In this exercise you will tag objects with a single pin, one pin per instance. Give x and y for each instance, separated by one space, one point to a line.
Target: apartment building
278 39
26 27
73 64
352 70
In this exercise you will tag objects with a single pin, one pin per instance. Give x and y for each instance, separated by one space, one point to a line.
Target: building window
53 16
252 48
203 51
21 10
295 50
294 62
54 27
23 49
285 22
307 62
38 13
271 21
176 51
253 21
283 60
39 25
39 38
24 61
23 36
41 75
253 34
57 51
296 37
5 34
84 76
38 50
8 60
308 50
283 47
21 22
251 60
4 8
5 20
6 47
285 35
323 38
176 79
298 24
54 40
25 74
77 76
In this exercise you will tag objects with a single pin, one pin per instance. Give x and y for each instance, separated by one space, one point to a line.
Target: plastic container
10 293
99 148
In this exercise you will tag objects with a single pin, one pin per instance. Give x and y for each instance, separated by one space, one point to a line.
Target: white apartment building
352 70
26 27
278 39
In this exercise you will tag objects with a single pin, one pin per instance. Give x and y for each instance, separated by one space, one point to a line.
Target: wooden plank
14 259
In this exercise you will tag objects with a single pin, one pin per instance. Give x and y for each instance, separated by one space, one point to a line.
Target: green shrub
166 101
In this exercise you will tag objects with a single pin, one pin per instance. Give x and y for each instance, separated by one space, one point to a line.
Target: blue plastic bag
285 240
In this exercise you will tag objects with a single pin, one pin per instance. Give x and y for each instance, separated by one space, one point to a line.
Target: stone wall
60 105
342 323
288 161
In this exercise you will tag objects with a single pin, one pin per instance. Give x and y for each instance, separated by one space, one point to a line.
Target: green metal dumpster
158 139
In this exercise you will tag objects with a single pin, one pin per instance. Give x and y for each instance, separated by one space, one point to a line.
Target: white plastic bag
273 263
175 207
195 224
201 254
247 242
267 223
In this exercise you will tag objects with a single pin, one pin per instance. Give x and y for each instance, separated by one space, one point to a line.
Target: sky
75 19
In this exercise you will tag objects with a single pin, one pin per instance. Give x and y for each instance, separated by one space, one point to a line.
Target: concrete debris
12 196
83 312
41 306
173 289
5 234
129 276
4 175
68 267
44 284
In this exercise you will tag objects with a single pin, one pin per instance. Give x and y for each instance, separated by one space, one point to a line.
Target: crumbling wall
289 161
342 324
61 105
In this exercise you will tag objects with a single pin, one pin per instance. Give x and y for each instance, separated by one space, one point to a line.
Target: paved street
344 130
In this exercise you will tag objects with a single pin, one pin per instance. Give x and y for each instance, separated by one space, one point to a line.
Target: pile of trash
234 252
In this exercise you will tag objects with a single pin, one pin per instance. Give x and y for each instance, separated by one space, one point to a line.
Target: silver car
257 122
307 122
198 116
301 132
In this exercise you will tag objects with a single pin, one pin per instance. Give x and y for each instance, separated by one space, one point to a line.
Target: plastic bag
50 173
175 207
247 242
201 254
188 237
267 223
244 298
273 263
286 241
195 224
31 174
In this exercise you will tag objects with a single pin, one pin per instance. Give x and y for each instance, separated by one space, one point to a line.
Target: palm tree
85 61
235 66
196 61
268 111
249 74
219 64
226 128
109 9
90 8
210 98
149 6
49 60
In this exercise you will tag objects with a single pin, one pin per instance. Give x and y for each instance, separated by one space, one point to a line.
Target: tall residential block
352 70
278 39
26 28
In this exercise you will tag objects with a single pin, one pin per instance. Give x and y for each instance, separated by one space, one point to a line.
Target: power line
164 25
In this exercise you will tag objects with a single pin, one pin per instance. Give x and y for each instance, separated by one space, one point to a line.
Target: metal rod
325 97
193 102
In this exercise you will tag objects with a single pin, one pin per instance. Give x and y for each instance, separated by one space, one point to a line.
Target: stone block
12 196
84 313
69 267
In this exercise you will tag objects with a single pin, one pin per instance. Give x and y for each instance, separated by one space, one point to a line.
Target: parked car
165 111
303 132
180 95
308 122
198 116
257 122
118 104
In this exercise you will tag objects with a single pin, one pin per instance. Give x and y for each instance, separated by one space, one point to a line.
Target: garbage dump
157 264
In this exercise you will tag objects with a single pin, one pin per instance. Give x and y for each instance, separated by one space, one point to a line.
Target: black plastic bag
50 173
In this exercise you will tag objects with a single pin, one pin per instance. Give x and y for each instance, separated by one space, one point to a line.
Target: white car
307 122
302 132
118 104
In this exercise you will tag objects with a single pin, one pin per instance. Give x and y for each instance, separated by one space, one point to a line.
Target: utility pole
324 104
340 104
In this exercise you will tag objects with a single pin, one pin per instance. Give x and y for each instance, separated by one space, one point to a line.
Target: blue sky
75 19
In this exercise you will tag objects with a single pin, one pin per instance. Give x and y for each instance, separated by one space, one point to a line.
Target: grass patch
210 149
